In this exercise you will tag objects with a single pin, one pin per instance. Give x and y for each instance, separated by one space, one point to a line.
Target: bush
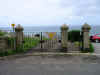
11 42
74 35
91 48
28 44
2 33
6 53
1 54
10 52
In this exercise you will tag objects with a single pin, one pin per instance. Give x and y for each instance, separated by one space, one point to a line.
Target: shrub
10 52
2 33
91 48
74 35
28 43
11 42
1 54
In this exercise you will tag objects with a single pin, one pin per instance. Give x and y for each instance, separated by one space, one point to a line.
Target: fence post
64 37
86 39
19 35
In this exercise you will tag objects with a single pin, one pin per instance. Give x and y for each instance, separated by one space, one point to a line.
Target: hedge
2 33
74 35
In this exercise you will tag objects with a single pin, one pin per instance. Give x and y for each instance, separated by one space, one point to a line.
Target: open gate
74 41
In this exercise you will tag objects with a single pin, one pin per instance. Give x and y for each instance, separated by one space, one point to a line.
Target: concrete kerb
50 54
61 54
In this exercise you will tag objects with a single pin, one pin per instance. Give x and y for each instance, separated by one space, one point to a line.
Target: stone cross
86 39
64 36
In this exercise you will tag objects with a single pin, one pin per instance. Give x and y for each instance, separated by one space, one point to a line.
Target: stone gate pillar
19 35
3 44
64 37
86 39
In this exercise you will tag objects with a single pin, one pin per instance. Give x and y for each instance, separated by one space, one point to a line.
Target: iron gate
45 41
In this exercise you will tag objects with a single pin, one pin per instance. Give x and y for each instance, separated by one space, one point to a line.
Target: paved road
97 47
51 65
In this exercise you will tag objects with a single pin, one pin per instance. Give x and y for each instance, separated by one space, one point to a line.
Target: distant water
94 30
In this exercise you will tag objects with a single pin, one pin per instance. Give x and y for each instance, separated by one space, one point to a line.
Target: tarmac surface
63 64
96 47
51 65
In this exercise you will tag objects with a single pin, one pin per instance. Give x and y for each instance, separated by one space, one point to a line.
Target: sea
94 29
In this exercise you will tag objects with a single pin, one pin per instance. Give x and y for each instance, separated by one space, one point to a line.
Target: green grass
2 33
28 44
77 43
8 52
11 42
91 48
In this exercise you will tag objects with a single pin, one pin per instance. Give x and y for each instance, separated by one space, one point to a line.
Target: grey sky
49 12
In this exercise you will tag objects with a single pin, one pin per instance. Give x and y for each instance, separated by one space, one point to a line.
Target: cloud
82 7
49 12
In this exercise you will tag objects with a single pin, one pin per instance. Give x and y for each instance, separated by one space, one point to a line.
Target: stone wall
3 43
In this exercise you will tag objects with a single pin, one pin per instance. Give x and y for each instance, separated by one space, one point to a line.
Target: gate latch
42 41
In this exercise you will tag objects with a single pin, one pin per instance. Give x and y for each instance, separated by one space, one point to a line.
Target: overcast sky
49 12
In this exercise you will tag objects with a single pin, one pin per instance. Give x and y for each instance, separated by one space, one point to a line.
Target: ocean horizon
94 29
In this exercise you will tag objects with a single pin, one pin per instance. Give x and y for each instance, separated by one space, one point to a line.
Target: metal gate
42 41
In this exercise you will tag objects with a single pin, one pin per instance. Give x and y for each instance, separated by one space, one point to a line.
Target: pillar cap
86 26
19 28
64 26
